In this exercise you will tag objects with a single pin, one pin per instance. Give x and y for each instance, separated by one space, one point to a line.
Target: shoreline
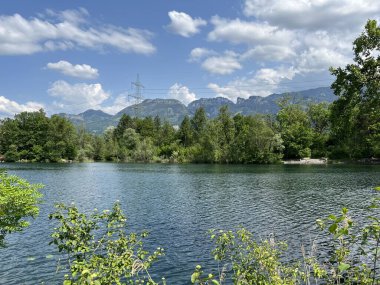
304 161
301 161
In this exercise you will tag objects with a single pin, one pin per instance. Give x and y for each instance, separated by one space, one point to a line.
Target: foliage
319 116
18 200
296 131
98 248
353 255
355 115
34 137
356 252
251 262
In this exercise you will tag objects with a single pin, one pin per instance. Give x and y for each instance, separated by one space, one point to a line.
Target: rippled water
179 203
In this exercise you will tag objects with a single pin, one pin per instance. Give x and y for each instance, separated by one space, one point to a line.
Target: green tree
296 131
208 148
99 149
9 130
225 133
145 151
319 116
111 146
255 141
61 140
185 132
145 127
355 115
18 200
31 131
124 123
198 123
12 154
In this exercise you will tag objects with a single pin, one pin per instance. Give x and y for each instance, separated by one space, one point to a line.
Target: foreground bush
100 251
18 200
353 256
97 249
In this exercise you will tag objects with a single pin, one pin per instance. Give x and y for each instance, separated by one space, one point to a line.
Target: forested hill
174 111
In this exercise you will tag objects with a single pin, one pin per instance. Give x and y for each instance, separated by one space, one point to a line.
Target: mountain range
174 111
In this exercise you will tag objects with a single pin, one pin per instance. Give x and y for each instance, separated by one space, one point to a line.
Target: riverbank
314 161
301 161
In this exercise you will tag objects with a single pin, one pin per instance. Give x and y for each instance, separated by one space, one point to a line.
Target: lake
178 204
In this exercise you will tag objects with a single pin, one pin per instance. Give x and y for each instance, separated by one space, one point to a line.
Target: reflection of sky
179 203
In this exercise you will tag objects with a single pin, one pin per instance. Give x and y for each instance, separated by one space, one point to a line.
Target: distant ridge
167 109
174 111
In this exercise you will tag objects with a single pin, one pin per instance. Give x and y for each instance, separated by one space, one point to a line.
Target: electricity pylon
136 95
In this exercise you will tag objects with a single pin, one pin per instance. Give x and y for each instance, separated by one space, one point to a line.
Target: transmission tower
136 95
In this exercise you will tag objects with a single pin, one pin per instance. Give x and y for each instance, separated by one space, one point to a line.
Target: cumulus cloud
247 32
224 64
313 15
181 93
264 82
316 60
117 105
77 97
269 53
198 54
183 24
67 30
9 108
280 40
79 70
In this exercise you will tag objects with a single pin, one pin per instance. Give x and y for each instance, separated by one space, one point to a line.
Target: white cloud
78 70
79 15
117 105
183 24
181 93
9 108
19 35
314 14
319 59
198 54
265 53
223 65
286 39
264 82
76 98
250 33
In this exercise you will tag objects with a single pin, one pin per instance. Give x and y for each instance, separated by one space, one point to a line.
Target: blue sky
69 56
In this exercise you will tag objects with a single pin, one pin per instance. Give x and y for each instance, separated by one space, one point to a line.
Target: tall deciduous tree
356 113
295 130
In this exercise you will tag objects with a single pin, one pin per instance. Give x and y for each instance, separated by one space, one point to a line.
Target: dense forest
349 128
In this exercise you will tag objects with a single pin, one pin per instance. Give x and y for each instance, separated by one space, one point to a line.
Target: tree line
295 132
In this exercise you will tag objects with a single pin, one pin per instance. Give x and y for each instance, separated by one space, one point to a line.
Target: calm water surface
179 203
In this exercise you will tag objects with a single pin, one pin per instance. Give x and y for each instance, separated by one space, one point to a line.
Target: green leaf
215 282
332 217
377 188
343 267
194 277
333 228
